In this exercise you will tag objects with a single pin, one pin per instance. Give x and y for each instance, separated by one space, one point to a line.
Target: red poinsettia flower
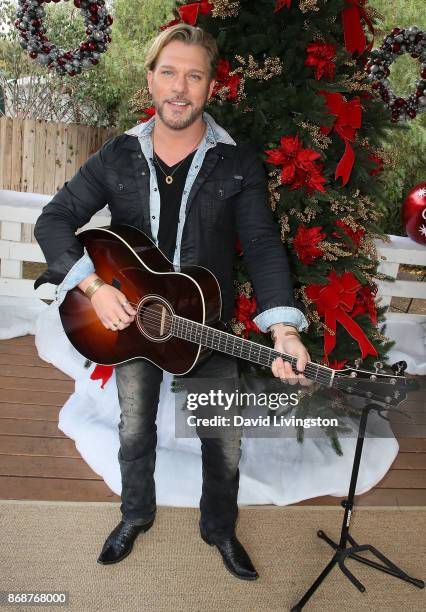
299 169
379 163
365 303
188 13
281 4
320 55
149 112
355 236
103 373
244 311
223 69
291 155
223 79
310 178
305 243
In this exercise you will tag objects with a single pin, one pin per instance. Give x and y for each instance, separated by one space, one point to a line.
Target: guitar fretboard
244 349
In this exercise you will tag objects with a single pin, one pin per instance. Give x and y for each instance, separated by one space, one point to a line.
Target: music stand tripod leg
341 549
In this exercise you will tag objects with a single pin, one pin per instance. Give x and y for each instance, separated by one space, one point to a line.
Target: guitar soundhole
154 318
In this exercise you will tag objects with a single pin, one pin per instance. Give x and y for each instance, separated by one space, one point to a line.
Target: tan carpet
54 546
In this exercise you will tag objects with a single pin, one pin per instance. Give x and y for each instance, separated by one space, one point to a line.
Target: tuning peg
378 366
399 367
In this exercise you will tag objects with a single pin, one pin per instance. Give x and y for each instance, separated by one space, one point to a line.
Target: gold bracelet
93 287
288 333
292 333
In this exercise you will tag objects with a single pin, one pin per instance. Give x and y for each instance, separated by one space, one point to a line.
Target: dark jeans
138 385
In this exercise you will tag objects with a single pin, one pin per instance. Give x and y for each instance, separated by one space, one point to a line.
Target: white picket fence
400 250
19 212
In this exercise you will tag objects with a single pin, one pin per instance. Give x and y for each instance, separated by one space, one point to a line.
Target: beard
178 123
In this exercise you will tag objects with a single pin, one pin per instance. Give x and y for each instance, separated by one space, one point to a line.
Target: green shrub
408 148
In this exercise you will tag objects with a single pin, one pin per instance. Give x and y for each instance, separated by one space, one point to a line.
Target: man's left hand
291 345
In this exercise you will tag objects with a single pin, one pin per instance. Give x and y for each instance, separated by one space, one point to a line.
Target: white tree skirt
273 470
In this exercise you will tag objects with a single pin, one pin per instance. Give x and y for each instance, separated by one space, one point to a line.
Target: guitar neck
244 349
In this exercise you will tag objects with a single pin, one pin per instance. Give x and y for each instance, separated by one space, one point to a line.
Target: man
184 181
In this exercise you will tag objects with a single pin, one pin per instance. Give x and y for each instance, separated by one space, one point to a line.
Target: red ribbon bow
354 34
188 13
348 120
334 302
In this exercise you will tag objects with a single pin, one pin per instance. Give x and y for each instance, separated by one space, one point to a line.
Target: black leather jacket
228 199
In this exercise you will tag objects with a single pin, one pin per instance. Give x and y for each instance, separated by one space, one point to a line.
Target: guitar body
126 258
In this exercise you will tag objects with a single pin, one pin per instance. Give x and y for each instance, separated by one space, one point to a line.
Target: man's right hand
110 304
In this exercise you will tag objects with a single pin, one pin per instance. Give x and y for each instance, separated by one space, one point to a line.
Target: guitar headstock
388 388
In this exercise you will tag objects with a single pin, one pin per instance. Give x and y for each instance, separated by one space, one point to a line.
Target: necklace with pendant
169 177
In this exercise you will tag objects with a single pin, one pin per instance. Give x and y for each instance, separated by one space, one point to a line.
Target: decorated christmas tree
293 81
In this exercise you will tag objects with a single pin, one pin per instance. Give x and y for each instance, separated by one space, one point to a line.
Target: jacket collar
215 133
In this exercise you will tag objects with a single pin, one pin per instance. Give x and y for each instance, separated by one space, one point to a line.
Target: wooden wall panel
39 156
17 150
61 156
28 155
49 177
6 135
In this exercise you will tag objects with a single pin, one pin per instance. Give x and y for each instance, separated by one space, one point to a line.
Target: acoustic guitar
178 319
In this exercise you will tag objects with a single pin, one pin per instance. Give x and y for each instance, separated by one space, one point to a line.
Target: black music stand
342 551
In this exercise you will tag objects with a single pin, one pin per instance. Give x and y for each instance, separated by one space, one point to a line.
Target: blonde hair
188 34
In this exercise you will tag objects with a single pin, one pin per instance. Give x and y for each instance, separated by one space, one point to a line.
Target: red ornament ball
414 213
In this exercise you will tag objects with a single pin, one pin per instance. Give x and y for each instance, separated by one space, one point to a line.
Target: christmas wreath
29 22
413 41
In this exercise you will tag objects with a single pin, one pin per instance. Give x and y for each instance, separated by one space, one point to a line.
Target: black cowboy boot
120 541
234 556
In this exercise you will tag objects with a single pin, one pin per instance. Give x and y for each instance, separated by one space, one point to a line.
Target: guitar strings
155 318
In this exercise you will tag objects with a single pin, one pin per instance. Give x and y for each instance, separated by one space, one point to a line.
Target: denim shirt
214 134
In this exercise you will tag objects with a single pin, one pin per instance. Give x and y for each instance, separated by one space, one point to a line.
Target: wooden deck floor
38 462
